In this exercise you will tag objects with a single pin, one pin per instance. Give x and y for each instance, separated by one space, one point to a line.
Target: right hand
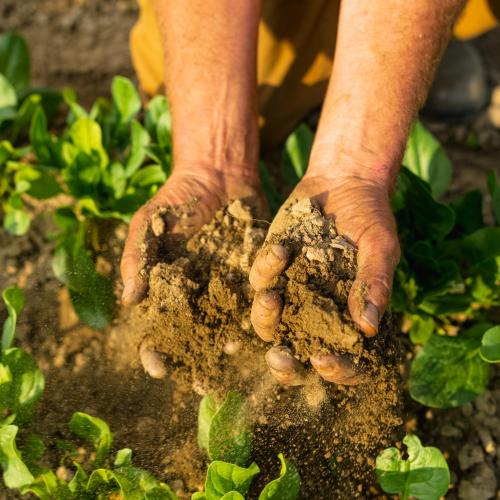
209 189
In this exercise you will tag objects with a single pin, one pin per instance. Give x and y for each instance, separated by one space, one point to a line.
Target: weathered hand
208 189
362 212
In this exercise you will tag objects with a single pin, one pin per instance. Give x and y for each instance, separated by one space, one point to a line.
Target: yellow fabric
478 17
295 54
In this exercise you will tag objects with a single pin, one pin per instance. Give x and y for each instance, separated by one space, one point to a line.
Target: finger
266 313
134 284
270 262
378 255
337 369
284 367
152 362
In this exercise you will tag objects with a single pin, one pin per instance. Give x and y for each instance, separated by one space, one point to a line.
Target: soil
83 43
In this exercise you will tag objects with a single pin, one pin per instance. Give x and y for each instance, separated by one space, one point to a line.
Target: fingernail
276 255
268 301
371 315
129 290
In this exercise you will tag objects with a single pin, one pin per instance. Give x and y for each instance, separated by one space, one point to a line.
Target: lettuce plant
424 475
224 433
108 164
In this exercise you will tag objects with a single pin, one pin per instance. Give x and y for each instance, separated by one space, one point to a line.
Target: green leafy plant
447 280
424 475
224 432
109 165
18 100
21 386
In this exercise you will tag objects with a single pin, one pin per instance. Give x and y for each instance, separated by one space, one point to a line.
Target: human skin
386 54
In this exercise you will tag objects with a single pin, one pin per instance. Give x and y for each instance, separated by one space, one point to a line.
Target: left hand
361 209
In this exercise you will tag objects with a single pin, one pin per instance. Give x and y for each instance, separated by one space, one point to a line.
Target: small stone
467 410
486 403
481 484
158 224
450 431
315 254
486 441
302 207
238 211
470 455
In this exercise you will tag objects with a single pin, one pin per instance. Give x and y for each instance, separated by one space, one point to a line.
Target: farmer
234 67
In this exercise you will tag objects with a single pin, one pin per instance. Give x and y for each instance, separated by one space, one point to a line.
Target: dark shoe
460 89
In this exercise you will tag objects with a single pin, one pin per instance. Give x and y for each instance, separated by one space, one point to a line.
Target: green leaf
123 457
469 213
48 486
36 181
225 431
16 222
139 141
481 245
199 495
40 138
448 371
15 472
26 385
206 412
114 178
422 328
95 302
490 345
426 158
223 477
14 300
94 430
125 98
15 60
297 151
8 97
425 475
233 495
156 109
86 134
69 96
417 211
79 481
494 189
274 198
148 176
24 115
286 487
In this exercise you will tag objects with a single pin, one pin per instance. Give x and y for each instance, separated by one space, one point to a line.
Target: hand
210 189
361 210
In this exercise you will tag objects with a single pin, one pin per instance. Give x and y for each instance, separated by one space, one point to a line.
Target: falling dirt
197 314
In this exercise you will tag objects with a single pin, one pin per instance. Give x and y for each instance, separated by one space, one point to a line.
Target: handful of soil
198 308
315 289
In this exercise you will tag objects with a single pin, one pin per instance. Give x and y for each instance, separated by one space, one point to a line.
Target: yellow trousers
295 54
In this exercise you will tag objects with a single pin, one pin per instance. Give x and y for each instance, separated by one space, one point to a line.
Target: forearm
385 58
210 60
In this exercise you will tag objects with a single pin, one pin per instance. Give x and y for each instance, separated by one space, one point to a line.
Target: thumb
378 256
134 283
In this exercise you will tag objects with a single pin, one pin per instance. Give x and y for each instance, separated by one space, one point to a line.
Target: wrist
229 147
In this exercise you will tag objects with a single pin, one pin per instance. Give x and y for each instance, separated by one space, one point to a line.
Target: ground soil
83 43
